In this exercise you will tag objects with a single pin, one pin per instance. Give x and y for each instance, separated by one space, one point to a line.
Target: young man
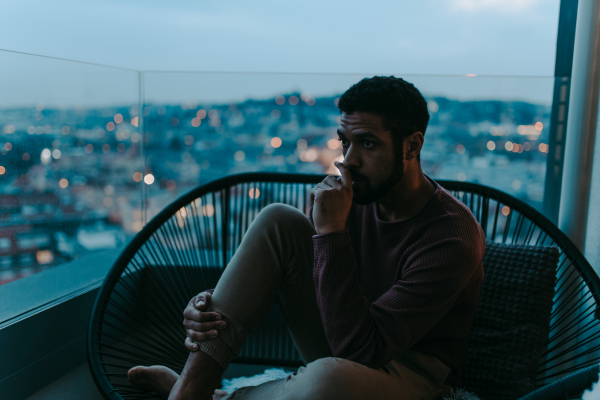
379 288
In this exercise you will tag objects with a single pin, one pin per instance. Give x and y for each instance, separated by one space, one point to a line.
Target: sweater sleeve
373 334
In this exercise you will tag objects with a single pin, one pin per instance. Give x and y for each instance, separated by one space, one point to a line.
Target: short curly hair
402 106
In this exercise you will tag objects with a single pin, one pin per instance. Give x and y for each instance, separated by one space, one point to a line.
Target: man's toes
135 373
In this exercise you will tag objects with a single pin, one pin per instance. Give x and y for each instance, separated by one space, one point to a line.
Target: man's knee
330 377
283 215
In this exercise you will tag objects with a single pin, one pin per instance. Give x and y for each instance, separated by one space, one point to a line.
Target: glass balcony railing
90 153
69 138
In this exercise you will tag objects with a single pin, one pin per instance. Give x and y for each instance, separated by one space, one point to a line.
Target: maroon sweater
386 287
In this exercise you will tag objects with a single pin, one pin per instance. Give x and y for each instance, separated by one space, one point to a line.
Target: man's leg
274 260
413 376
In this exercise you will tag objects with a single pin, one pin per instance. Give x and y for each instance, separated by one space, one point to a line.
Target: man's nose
351 159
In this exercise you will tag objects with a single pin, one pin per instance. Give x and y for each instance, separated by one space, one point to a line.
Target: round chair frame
184 249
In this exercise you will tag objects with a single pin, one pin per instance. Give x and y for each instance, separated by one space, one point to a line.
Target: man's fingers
190 345
202 300
199 316
204 326
333 182
202 336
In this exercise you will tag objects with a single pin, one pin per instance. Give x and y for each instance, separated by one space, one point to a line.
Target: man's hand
200 325
331 200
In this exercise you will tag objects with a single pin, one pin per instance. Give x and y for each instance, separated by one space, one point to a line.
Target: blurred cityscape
79 180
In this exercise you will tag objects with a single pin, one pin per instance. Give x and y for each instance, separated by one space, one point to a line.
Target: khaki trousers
275 261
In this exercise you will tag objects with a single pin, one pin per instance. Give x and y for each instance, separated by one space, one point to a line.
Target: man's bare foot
198 380
157 379
219 394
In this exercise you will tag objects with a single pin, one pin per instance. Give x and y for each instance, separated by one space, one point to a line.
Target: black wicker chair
183 250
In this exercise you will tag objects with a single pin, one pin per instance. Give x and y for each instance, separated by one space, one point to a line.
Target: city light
461 176
149 179
516 184
460 149
309 155
208 210
470 75
239 155
213 114
45 156
333 144
293 100
280 100
491 145
106 148
31 130
305 96
526 146
135 121
7 146
301 143
63 183
214 122
107 201
56 154
433 106
65 130
196 122
110 126
118 118
508 146
254 193
276 142
109 190
505 210
89 148
543 147
47 129
135 137
137 176
201 114
275 114
25 156
44 257
539 126
311 101
171 184
2 170
8 129
39 107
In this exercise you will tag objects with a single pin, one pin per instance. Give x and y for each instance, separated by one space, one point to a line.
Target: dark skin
368 162
368 150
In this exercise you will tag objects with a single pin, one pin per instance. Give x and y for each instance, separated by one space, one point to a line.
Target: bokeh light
276 142
137 176
491 145
63 183
149 179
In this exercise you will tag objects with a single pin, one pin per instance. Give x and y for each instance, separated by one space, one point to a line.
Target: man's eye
367 143
343 140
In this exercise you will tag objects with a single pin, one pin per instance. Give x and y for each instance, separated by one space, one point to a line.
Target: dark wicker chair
183 250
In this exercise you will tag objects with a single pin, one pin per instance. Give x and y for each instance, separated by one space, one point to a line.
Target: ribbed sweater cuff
218 350
329 244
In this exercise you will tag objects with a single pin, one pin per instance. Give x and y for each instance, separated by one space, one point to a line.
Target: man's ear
413 145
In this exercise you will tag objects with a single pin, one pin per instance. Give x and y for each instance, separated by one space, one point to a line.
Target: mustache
357 176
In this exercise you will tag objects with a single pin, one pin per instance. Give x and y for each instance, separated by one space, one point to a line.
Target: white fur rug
231 385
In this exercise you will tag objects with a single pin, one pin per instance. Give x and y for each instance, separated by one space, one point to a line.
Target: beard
367 194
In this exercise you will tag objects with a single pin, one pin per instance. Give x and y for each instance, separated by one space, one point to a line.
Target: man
379 288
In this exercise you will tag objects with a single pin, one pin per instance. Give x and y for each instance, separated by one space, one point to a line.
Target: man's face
369 154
